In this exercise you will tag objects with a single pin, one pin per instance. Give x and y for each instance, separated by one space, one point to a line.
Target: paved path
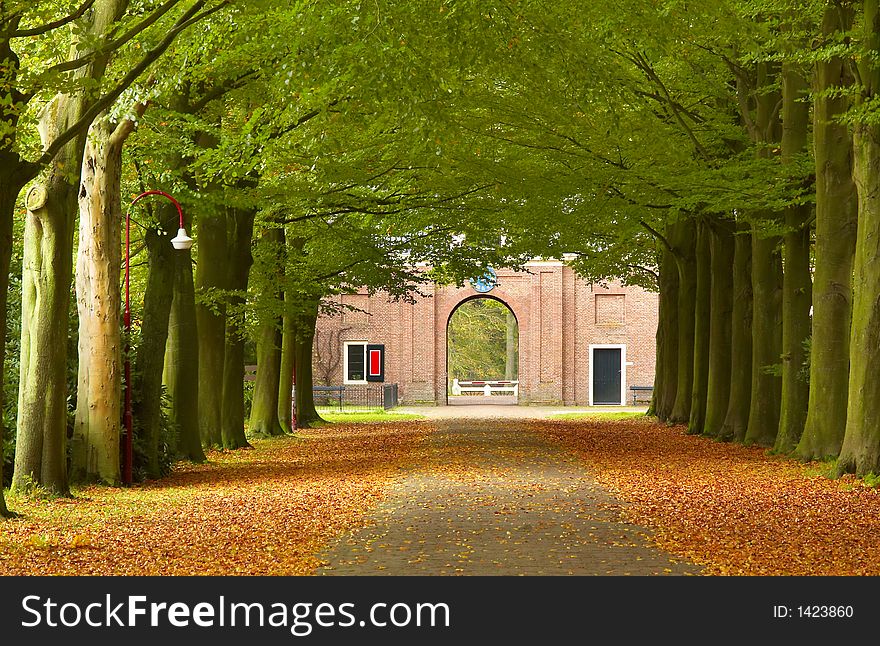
494 498
494 411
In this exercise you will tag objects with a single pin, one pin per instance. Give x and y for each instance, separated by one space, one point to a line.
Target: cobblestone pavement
492 498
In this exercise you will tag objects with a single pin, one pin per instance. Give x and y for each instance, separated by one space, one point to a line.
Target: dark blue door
606 376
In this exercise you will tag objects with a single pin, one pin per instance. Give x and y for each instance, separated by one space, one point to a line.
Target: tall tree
860 451
836 217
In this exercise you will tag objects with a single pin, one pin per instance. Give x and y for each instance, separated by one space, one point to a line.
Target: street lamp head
182 241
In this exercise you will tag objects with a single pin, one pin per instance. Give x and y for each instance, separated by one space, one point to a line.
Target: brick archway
514 294
475 297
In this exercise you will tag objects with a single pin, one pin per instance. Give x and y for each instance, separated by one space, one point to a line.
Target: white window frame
345 379
623 364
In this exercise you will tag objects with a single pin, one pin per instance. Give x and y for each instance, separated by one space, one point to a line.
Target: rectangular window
355 363
364 362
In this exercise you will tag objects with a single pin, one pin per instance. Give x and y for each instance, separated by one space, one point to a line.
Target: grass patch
599 415
368 417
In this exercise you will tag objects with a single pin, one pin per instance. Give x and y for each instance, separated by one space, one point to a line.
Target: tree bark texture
860 452
289 331
836 217
149 360
41 442
182 360
666 375
240 227
96 432
722 247
766 281
796 281
303 342
702 313
683 239
211 283
736 420
264 406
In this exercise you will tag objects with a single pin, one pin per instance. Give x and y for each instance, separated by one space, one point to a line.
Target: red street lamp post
180 241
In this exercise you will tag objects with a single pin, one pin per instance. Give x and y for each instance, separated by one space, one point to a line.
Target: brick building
580 343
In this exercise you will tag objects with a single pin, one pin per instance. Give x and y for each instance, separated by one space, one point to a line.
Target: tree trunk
182 360
720 326
306 414
666 372
240 227
736 420
8 195
289 331
683 238
510 345
702 313
150 359
96 432
836 215
766 283
860 452
41 442
212 274
796 280
264 406
766 341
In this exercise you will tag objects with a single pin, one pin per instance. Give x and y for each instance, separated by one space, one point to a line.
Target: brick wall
561 319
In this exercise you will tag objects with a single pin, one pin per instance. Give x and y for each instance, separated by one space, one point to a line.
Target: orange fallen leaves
265 511
733 509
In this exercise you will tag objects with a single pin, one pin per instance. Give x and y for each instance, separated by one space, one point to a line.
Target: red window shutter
375 362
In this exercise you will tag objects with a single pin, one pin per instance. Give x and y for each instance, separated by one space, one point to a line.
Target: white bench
485 387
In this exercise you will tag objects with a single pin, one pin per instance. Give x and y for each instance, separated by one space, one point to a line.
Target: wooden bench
641 392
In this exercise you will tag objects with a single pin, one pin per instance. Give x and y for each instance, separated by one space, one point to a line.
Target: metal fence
355 397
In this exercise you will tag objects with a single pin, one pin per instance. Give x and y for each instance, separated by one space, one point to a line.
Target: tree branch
190 17
42 29
113 45
657 235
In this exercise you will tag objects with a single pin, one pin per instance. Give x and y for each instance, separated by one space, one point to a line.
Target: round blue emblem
485 282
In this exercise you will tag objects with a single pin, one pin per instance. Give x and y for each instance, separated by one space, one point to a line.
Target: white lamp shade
182 241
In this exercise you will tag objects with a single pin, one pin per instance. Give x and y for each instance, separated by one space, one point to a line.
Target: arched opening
482 353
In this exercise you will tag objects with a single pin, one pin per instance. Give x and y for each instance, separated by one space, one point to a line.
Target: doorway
607 375
482 353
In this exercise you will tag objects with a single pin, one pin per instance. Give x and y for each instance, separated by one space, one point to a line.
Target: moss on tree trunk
766 341
666 371
240 227
860 452
720 326
702 313
211 280
149 360
41 442
182 360
736 420
306 414
796 281
285 375
264 405
836 217
683 240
